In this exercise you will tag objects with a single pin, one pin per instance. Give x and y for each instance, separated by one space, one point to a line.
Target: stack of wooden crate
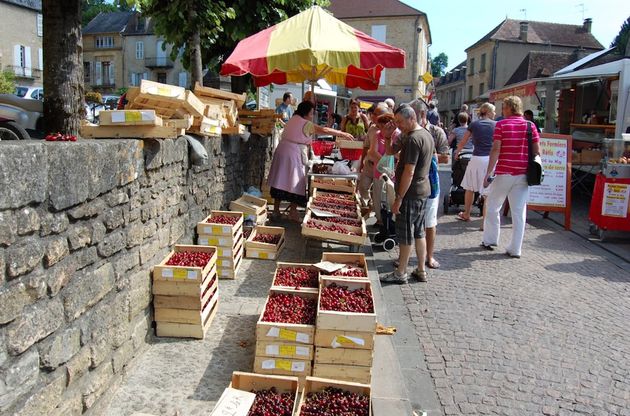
257 249
261 121
344 341
287 348
228 239
223 106
185 298
252 207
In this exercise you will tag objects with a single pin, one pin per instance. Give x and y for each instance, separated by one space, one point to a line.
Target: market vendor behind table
287 177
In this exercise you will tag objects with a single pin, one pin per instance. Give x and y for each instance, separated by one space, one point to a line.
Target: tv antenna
524 11
582 8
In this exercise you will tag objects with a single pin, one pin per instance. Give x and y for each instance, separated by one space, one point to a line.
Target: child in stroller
455 196
387 231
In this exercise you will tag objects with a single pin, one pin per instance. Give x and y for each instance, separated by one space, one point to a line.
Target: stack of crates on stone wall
286 328
186 292
344 340
224 229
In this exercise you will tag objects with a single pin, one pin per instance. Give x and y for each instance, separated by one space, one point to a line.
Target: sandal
433 264
421 275
460 216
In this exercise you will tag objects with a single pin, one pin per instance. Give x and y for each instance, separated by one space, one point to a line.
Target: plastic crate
351 154
322 148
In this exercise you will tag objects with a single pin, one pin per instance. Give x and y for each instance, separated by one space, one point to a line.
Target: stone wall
80 226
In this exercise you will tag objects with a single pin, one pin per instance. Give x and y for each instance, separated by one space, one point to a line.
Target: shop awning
604 70
521 89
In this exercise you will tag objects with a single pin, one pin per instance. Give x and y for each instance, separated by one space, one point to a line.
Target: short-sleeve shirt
481 135
511 132
416 148
439 138
285 110
459 135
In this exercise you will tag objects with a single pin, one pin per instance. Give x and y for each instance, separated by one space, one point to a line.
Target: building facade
21 47
493 59
450 93
399 25
121 48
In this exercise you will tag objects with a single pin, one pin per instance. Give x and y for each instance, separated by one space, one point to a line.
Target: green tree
91 8
207 32
439 64
621 40
7 82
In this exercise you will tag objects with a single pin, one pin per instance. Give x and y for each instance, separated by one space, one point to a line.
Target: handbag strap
530 156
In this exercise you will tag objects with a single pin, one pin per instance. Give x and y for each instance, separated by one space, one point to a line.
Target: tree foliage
222 23
91 8
439 64
7 82
621 40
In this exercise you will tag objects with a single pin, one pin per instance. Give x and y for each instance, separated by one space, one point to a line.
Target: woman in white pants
508 161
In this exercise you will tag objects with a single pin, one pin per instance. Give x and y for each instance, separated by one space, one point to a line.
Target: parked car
31 93
111 101
20 118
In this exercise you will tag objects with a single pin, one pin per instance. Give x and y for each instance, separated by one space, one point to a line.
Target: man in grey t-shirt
416 149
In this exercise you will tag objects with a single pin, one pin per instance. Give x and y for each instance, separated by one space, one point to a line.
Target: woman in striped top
508 161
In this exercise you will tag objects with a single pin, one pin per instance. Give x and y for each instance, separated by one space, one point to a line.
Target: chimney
588 22
523 34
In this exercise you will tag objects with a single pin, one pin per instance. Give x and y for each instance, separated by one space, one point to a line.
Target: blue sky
455 25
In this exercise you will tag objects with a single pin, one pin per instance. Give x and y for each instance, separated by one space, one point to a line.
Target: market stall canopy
605 70
313 45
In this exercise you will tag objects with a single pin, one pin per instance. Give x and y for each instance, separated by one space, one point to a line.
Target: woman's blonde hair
486 109
515 104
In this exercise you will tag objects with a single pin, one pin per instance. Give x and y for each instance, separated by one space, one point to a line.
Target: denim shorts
410 221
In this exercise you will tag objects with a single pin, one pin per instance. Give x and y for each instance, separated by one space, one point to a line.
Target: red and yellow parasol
313 45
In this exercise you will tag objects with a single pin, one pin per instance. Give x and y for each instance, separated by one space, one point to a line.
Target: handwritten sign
552 192
615 201
234 403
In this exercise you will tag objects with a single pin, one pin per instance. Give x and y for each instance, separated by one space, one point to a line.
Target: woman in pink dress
287 178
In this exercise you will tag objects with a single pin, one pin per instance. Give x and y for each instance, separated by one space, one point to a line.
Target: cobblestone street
544 334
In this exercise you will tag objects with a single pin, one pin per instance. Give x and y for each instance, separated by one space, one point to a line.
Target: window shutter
27 61
98 69
40 24
17 55
41 58
183 79
144 76
140 50
112 74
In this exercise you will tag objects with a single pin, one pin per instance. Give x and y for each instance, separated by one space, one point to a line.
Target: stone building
450 93
146 57
399 25
103 57
493 59
21 47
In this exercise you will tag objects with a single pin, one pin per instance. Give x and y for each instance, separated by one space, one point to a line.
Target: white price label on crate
269 364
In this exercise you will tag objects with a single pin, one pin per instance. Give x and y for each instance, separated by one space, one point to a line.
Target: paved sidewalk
188 376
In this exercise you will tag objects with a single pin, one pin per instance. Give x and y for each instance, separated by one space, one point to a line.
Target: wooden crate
188 302
230 273
258 250
208 228
356 211
354 374
281 265
234 130
331 338
129 132
349 144
344 356
180 123
282 366
188 316
201 91
334 184
129 118
249 204
284 350
222 243
334 236
343 195
181 273
317 384
345 321
256 382
351 259
205 126
169 96
279 331
183 288
177 330
230 263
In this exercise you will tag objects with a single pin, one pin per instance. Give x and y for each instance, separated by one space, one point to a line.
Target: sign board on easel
554 194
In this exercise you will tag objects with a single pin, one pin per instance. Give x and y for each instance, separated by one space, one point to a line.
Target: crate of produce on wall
129 118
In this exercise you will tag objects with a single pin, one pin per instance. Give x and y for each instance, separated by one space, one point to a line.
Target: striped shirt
511 132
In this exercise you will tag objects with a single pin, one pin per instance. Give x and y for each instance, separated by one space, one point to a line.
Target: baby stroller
387 231
456 193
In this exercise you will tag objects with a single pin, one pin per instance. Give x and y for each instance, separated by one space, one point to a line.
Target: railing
25 72
159 62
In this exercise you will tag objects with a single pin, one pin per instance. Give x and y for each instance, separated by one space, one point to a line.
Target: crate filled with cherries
186 263
221 223
346 304
322 396
296 276
345 265
325 230
265 243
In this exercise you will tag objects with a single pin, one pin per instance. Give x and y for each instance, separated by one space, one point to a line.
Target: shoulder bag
535 171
